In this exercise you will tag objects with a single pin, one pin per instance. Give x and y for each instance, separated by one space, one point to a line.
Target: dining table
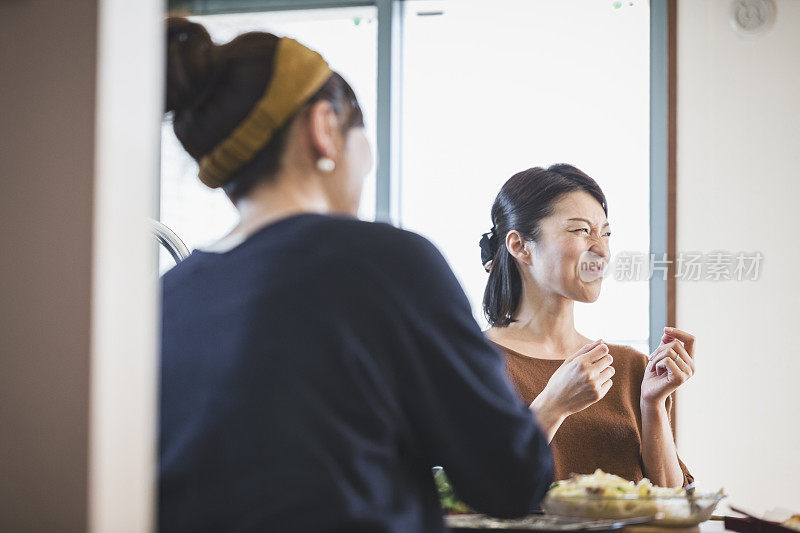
715 525
709 526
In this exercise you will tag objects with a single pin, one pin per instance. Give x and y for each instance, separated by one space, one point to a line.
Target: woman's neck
544 325
280 198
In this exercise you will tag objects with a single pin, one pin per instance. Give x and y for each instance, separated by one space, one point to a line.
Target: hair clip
488 245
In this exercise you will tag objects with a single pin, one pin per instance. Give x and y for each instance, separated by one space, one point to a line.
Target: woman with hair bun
546 250
315 367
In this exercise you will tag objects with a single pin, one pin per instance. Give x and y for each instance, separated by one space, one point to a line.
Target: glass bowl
674 510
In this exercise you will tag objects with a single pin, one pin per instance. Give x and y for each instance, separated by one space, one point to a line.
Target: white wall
738 185
123 407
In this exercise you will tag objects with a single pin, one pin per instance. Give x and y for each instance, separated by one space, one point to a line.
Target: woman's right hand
581 380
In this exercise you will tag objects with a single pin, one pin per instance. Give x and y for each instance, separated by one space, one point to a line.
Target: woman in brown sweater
547 248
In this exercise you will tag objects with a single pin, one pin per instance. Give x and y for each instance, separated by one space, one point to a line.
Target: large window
486 89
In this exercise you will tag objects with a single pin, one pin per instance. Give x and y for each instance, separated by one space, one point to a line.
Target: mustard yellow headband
298 73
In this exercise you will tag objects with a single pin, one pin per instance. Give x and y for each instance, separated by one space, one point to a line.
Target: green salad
447 497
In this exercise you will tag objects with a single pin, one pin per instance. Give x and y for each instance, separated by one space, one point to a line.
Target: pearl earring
326 164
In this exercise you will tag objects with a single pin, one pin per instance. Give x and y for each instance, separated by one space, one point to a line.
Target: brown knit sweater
607 434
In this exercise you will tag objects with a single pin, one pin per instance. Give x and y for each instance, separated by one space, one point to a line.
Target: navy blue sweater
313 375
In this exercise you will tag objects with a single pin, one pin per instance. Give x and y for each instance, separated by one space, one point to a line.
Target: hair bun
488 245
191 63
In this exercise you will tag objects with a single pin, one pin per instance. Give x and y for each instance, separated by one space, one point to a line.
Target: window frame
663 31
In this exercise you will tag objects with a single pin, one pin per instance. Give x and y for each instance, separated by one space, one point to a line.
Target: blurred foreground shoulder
379 241
391 251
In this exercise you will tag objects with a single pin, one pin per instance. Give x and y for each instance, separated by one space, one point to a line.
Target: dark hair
212 88
525 199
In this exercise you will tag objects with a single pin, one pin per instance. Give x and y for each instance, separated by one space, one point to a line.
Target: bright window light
492 88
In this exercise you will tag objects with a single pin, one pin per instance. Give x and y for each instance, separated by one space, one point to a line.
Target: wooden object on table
710 526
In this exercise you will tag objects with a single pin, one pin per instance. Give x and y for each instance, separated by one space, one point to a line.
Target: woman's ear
518 247
323 127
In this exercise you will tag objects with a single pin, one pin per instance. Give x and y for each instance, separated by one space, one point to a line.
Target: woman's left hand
669 367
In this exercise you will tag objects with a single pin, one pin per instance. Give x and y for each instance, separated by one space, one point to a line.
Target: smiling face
571 249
